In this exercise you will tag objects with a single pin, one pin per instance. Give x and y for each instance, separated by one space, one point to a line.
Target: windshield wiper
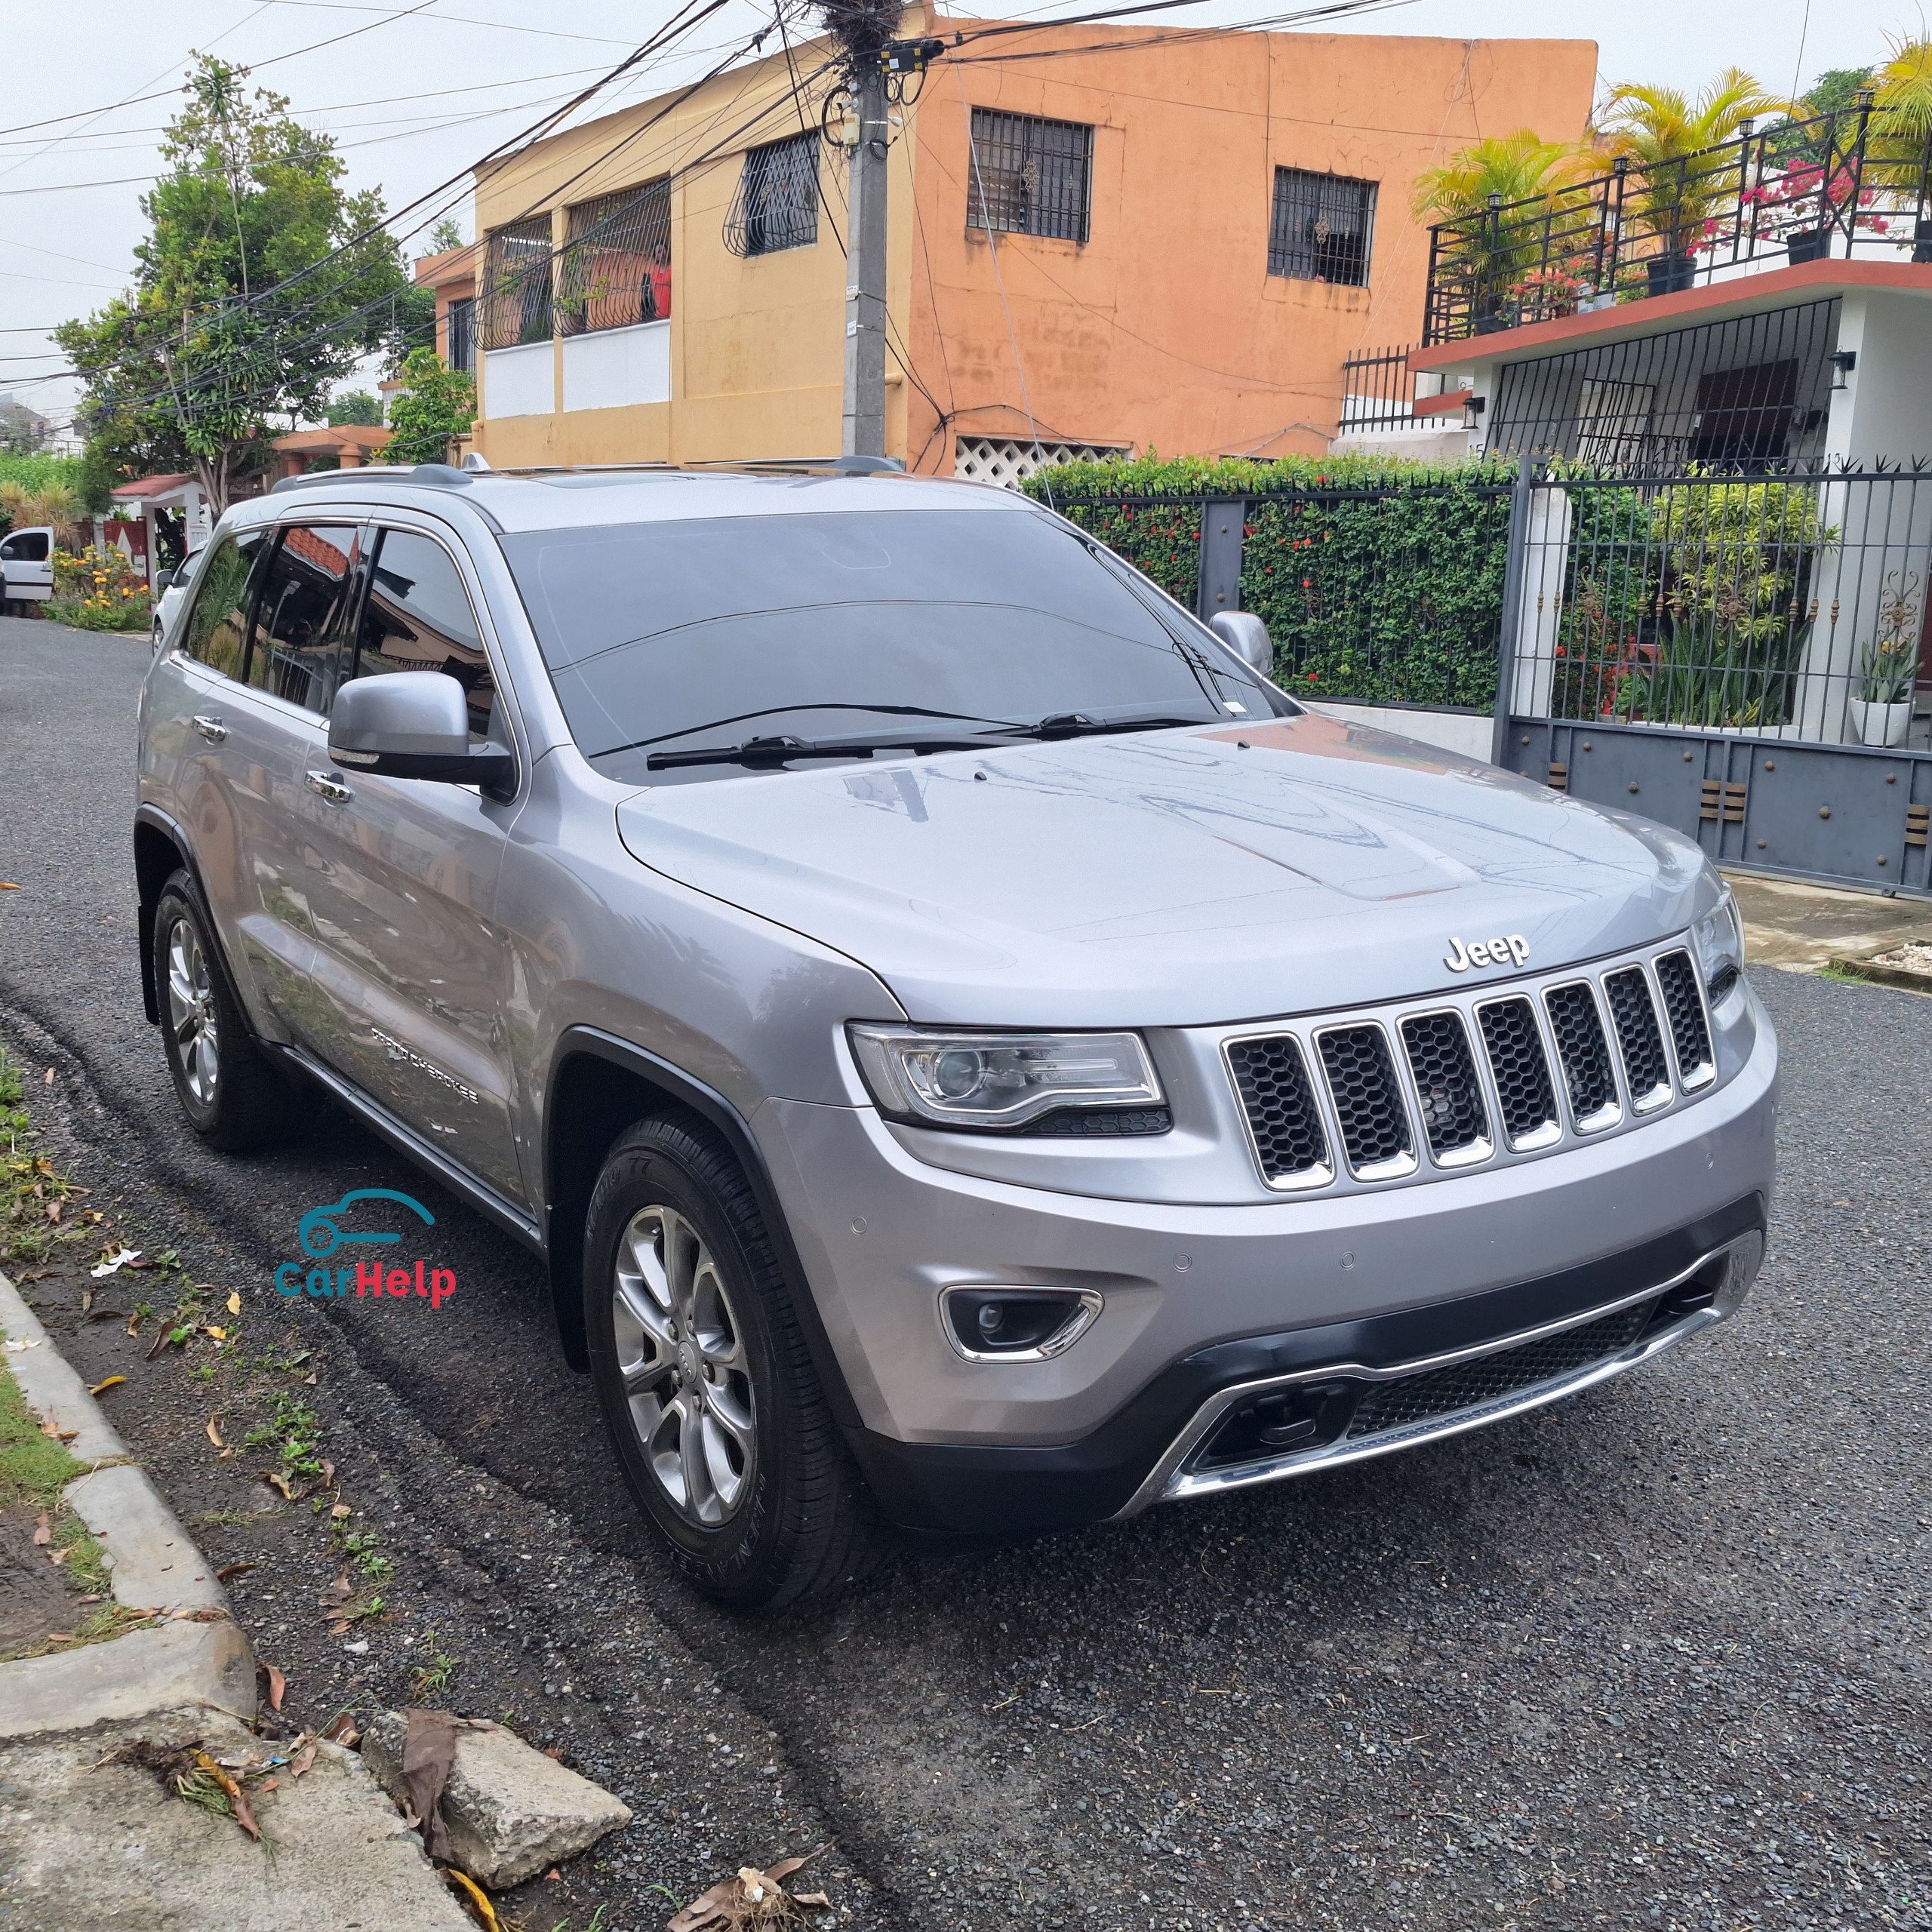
1078 724
782 750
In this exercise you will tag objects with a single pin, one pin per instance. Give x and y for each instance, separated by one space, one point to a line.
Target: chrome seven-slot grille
1516 1069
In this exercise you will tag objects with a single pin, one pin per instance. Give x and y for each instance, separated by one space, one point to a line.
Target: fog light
1017 1324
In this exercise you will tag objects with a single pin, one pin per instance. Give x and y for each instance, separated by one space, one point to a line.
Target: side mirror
162 580
1247 636
412 724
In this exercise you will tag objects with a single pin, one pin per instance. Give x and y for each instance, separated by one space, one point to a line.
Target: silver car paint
1177 882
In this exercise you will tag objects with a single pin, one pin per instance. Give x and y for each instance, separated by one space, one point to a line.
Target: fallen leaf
339 1510
341 1729
277 1686
215 1435
21 1348
328 1472
234 1303
134 1325
219 1334
46 1078
54 1211
59 1637
87 1299
271 1784
43 1530
57 1557
237 1797
221 1575
553 1877
59 1435
309 1380
302 1759
473 1896
7 885
276 1480
752 1898
106 1313
112 1382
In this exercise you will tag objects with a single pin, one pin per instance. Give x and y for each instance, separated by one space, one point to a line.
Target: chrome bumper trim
1171 1480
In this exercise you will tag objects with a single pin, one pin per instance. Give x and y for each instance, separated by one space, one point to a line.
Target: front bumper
1207 1307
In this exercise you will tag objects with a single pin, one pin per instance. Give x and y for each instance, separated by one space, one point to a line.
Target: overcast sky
414 95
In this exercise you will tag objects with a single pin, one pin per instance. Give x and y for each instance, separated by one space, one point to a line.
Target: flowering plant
1801 200
100 590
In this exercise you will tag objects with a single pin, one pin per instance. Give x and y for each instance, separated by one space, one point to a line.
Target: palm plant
1502 172
1667 135
1900 143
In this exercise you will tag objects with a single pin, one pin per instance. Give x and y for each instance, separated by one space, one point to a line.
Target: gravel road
1656 1658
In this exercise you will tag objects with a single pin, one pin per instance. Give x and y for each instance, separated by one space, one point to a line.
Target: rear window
674 635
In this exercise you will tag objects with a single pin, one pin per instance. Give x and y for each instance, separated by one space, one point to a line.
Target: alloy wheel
680 1354
190 1012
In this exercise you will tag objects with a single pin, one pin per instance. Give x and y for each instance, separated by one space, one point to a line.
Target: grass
34 1470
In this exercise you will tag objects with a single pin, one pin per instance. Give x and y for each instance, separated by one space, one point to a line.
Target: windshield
688 634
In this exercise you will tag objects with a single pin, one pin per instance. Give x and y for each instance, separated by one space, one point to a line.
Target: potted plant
1881 713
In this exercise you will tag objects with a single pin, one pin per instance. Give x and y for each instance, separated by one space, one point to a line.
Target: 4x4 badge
1486 952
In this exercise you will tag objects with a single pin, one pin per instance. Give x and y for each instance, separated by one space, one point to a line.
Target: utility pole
864 428
876 68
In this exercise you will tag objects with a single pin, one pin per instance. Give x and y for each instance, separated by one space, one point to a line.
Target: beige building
1145 238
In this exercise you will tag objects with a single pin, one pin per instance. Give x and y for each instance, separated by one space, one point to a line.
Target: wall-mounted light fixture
1843 361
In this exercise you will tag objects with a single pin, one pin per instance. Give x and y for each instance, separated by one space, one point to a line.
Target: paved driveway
1654 1658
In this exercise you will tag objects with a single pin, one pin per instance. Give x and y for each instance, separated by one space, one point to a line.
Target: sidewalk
1800 928
88 1837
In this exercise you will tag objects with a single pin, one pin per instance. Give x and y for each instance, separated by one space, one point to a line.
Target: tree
1835 91
1661 130
262 283
1516 167
445 236
353 406
435 403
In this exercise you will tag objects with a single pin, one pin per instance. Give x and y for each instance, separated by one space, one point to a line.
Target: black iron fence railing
1857 183
1790 604
1378 391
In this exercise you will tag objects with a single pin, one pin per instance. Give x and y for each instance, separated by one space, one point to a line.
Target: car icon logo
320 1237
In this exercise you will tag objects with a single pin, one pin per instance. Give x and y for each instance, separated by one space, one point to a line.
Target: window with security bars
615 270
514 300
1320 228
1028 176
460 338
777 203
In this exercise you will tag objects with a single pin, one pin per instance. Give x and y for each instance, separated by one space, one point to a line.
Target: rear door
401 876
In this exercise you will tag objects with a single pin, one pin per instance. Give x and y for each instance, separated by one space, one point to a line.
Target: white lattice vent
980 460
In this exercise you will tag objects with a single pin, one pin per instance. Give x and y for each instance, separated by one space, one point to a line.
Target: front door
400 878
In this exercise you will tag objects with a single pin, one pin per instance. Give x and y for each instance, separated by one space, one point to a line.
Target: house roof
148 489
452 264
367 437
1657 314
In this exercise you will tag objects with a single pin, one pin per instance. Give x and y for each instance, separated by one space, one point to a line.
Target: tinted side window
217 625
301 613
418 617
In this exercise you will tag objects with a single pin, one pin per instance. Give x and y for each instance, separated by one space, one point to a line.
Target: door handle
333 789
212 729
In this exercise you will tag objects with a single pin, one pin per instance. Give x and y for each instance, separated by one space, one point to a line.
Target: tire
233 1098
707 1388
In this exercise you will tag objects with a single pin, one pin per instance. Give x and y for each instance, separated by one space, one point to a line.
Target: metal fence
1786 605
1856 184
1378 391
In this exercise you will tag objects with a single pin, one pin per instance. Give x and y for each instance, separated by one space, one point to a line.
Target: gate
1741 657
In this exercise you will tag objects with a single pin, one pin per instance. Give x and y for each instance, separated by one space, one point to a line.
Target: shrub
100 590
1378 579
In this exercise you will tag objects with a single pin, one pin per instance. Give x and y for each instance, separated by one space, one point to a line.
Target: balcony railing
1853 184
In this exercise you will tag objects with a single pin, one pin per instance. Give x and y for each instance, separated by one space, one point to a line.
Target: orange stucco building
1153 238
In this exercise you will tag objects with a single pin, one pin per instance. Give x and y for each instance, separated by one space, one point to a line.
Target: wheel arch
599 1085
160 850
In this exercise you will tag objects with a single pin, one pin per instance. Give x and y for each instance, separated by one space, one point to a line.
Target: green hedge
1379 581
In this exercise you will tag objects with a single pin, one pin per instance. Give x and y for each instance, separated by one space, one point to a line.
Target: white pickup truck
26 558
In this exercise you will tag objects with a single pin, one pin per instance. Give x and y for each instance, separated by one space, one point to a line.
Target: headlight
990 1080
1719 938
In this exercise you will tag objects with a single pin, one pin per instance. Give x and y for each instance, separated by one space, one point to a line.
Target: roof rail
435 476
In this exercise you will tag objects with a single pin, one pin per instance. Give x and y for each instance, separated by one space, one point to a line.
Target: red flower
1312 678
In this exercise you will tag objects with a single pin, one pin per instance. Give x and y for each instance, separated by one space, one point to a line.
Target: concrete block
153 1560
510 1811
168 1664
84 1841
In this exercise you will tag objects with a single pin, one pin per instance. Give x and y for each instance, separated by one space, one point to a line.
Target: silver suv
975 1056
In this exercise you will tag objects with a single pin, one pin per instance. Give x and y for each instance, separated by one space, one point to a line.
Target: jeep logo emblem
1486 952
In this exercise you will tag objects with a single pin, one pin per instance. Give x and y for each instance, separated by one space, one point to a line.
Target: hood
1171 878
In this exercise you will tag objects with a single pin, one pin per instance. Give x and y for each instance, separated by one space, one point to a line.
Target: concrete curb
198 1654
1903 976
